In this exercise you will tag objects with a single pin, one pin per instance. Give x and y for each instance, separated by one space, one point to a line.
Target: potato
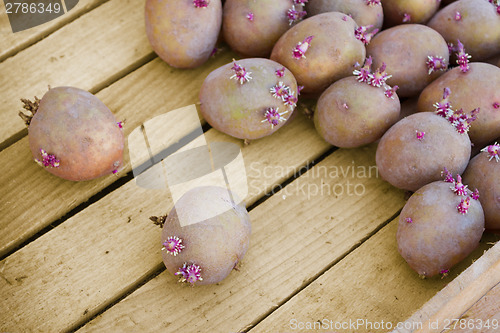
403 11
75 136
250 105
483 173
205 235
320 50
438 228
477 88
351 113
183 32
414 151
251 28
406 50
363 12
477 26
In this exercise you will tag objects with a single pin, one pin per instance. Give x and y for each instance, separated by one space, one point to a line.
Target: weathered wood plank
297 233
370 290
111 246
73 56
154 89
13 43
484 316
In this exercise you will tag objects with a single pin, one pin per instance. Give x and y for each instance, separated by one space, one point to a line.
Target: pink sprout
406 17
389 92
475 194
420 135
114 172
299 89
291 100
373 2
496 3
301 48
408 220
189 273
273 117
48 160
463 206
173 245
201 3
280 72
364 74
300 2
448 177
361 33
444 272
443 108
493 150
459 188
280 91
214 52
458 16
435 63
345 106
462 57
380 76
295 15
240 73
120 124
461 121
250 16
496 105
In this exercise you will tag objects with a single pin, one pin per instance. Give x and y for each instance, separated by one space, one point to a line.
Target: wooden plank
371 290
111 246
72 56
484 316
150 91
14 42
458 295
297 233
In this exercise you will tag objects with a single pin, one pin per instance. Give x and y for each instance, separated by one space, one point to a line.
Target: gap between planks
15 42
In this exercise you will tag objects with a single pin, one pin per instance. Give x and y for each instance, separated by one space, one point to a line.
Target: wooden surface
85 256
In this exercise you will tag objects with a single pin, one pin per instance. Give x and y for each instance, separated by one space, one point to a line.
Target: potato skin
404 49
409 163
484 174
351 113
477 88
362 13
254 38
216 244
419 11
478 29
239 109
181 34
438 236
80 131
332 54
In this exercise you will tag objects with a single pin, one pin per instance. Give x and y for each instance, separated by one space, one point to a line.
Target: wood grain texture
13 43
452 290
152 90
73 56
96 256
483 316
296 234
370 290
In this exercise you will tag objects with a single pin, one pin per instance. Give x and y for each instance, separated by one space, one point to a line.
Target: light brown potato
409 162
183 35
433 235
478 88
351 113
332 52
405 50
478 27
